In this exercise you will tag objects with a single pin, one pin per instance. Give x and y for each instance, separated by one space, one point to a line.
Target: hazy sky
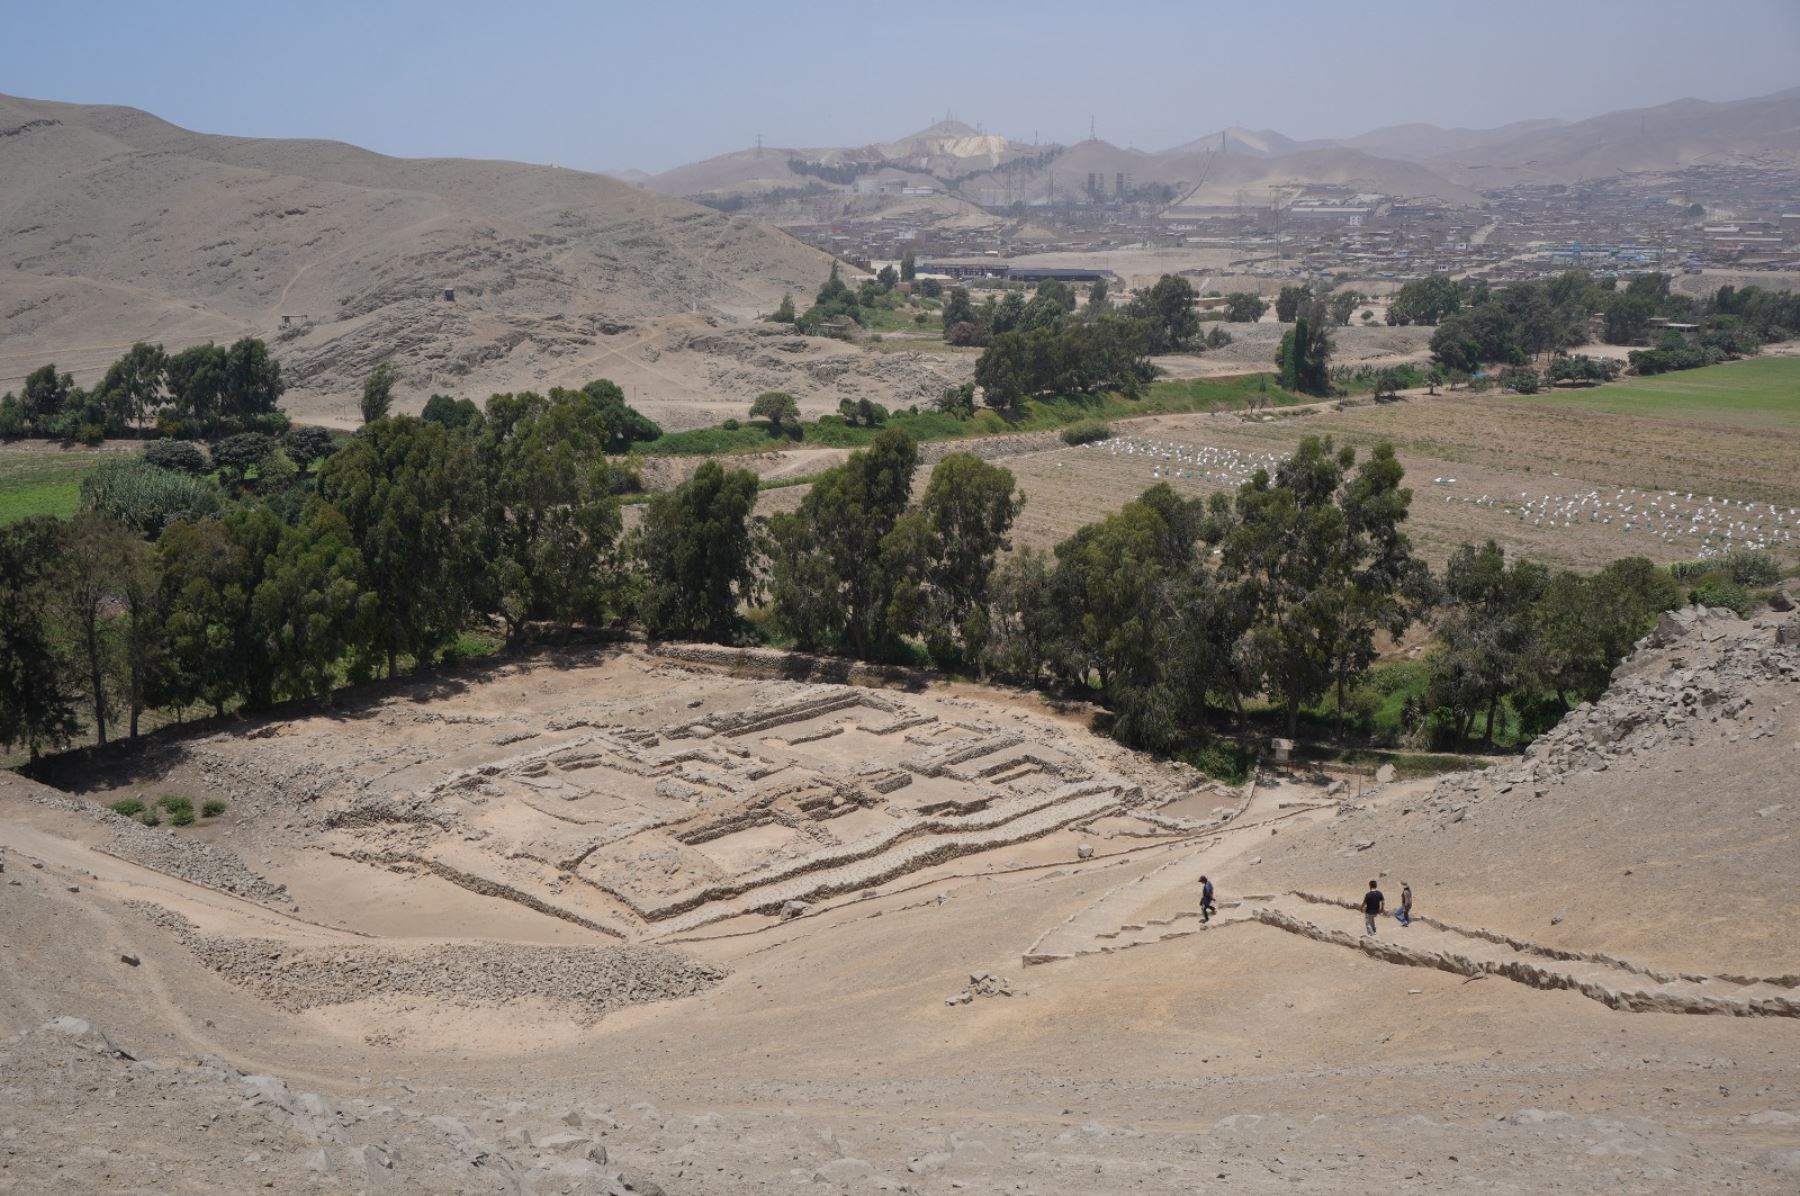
655 84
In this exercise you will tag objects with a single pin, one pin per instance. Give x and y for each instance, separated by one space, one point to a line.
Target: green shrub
1362 706
730 425
1221 760
179 809
130 807
149 818
1523 382
1087 432
182 456
146 498
1719 590
212 807
1748 567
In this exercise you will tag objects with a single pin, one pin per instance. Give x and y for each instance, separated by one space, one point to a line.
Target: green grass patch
1375 710
1046 413
1758 392
473 645
44 482
1088 431
180 810
899 319
211 808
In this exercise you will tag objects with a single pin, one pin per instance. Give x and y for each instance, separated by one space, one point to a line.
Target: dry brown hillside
119 226
1763 132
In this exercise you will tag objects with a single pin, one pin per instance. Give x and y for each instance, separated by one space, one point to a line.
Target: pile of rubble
169 851
594 980
981 984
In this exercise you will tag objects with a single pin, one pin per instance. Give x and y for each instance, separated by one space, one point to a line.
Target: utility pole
1275 204
759 145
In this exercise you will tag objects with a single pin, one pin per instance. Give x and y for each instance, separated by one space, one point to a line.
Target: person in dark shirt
1207 909
1403 915
1372 903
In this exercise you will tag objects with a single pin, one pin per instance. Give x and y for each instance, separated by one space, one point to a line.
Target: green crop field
35 480
1760 392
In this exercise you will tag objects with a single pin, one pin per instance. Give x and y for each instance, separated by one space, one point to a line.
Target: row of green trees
1179 606
1177 612
1166 309
177 587
1047 345
1109 353
1478 326
969 324
201 392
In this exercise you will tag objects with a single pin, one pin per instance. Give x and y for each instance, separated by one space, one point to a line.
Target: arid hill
1761 132
1418 159
119 226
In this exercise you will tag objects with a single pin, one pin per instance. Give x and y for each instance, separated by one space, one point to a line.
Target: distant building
1058 273
966 269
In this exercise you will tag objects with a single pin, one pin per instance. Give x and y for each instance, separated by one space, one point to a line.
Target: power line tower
1275 206
759 145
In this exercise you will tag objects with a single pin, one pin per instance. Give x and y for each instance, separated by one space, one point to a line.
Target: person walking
1207 909
1403 915
1372 903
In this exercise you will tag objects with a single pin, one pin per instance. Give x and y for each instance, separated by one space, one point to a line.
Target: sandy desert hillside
1418 141
994 172
695 920
1417 160
946 150
1762 132
1249 143
1219 183
119 226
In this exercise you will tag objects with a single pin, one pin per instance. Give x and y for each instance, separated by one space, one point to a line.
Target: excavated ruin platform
630 795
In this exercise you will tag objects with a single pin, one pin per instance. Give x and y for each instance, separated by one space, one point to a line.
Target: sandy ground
1257 1053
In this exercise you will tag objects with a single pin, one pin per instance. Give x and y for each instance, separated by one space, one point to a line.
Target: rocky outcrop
1702 675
